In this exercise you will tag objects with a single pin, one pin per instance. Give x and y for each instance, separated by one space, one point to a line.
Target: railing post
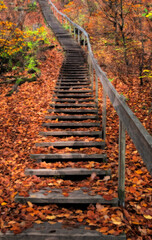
96 85
90 70
74 34
104 113
121 166
84 41
78 36
70 30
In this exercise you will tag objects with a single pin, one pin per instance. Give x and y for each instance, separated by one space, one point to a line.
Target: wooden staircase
71 116
76 113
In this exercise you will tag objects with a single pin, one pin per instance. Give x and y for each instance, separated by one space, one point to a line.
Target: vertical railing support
70 29
84 41
121 166
74 33
78 36
92 76
90 70
96 85
104 114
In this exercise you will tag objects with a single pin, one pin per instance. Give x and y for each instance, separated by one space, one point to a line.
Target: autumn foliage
120 33
23 113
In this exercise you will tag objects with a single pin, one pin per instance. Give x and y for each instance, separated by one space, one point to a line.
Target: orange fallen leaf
103 229
148 217
65 194
30 204
51 217
116 220
93 176
38 222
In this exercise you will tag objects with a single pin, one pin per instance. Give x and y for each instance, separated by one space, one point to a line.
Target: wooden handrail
137 132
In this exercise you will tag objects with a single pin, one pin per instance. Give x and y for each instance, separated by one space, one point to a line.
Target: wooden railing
127 120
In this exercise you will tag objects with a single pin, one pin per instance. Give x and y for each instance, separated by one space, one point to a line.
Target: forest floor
21 117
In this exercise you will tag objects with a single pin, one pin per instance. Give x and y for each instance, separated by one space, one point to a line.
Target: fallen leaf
51 217
116 221
103 229
38 222
106 178
147 216
30 204
93 176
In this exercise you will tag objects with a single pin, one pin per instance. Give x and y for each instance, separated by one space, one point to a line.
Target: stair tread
73 91
71 133
72 117
63 83
73 81
70 156
72 100
58 231
67 172
73 95
72 144
71 125
73 105
71 87
62 110
56 197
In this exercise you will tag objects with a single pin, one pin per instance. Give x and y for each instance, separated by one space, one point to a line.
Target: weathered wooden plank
67 172
63 83
56 197
72 87
72 133
72 157
73 79
72 144
73 91
70 125
74 111
73 117
73 95
72 100
73 105
58 231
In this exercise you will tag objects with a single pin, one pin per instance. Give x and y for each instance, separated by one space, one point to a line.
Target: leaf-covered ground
21 117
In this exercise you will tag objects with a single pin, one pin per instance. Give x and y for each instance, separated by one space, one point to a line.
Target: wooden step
73 71
87 83
73 111
73 105
74 80
72 87
72 133
69 157
73 77
58 231
70 125
73 95
73 91
72 100
72 144
70 67
73 117
56 197
67 172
